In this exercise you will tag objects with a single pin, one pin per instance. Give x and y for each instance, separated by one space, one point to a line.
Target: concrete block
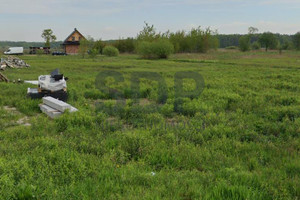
51 112
57 104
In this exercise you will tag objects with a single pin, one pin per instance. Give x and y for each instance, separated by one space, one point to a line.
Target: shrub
93 53
157 49
255 46
231 47
125 45
99 45
296 40
244 43
110 51
196 40
39 52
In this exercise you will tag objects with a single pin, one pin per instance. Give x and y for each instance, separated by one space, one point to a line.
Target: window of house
73 38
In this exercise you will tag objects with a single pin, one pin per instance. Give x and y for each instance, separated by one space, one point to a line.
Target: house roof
73 42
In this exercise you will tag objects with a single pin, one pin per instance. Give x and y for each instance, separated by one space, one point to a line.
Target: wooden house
72 42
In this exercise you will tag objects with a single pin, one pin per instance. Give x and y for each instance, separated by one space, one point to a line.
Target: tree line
152 44
254 40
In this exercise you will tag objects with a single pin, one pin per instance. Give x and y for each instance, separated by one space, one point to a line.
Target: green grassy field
238 140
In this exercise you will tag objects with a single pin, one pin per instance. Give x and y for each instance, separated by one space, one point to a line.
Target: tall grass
238 140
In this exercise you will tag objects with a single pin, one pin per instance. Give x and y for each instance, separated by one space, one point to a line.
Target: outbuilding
72 42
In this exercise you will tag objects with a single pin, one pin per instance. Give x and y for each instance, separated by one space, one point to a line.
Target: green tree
178 39
252 30
244 43
87 46
48 37
268 40
255 46
99 45
148 33
83 47
93 53
201 40
125 45
296 40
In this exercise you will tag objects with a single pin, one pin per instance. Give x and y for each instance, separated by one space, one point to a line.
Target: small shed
72 42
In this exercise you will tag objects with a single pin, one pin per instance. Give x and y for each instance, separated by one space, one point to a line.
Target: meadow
238 140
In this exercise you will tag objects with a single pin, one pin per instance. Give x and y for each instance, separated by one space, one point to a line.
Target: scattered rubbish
3 78
54 107
153 173
12 62
54 85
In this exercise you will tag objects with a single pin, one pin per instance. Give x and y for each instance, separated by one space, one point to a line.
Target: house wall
71 49
76 36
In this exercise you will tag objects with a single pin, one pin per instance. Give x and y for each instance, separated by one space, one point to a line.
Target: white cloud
111 19
278 27
271 2
60 7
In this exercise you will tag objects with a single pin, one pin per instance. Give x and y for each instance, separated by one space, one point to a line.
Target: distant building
71 44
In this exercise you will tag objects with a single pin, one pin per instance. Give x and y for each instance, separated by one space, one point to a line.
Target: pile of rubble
12 62
54 107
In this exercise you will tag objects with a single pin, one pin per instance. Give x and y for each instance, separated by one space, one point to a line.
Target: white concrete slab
51 112
56 104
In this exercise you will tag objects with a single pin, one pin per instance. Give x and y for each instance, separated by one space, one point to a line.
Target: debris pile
12 62
54 85
54 107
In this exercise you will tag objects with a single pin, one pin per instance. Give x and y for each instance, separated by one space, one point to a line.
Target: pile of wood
12 62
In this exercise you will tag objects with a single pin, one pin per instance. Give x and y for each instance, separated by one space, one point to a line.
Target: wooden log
3 78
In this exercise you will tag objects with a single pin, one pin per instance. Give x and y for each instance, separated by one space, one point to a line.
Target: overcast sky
24 20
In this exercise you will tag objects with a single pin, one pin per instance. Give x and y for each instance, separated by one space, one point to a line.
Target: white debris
32 82
12 62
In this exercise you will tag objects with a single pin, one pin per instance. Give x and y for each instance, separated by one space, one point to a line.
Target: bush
99 46
244 43
157 49
195 41
125 45
231 47
93 53
296 40
255 46
110 51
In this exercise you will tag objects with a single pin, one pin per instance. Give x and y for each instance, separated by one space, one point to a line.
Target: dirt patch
23 121
11 109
